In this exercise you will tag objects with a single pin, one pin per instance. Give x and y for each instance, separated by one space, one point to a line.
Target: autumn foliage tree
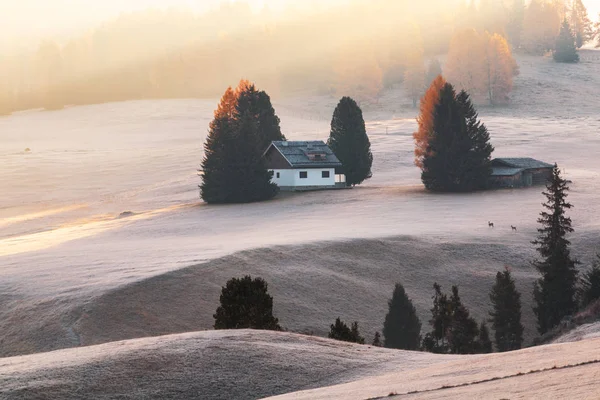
500 66
425 119
541 27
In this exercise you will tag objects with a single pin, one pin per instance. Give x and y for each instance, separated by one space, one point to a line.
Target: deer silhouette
514 228
490 224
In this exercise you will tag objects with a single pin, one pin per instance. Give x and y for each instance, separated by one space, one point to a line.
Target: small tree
506 313
340 331
402 328
245 304
589 288
349 141
565 50
484 342
554 292
377 340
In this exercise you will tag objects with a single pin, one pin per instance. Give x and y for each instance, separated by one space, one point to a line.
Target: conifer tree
245 304
349 141
565 50
233 169
422 136
463 332
402 328
458 153
377 339
589 290
554 292
441 319
484 343
506 313
340 331
581 24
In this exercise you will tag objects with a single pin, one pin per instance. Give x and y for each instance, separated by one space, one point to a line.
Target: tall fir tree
589 285
233 169
402 327
554 292
484 341
246 304
458 153
349 141
565 50
506 313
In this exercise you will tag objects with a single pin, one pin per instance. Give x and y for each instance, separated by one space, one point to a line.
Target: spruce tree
258 105
233 168
377 340
484 343
441 319
554 292
458 152
245 304
349 141
565 50
589 290
506 313
463 332
402 328
340 331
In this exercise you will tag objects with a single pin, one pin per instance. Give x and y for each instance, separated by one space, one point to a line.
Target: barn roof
301 154
524 163
505 171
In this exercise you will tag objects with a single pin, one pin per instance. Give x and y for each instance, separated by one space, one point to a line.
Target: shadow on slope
311 285
239 364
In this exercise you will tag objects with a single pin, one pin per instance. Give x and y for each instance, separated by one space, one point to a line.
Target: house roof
524 163
297 154
505 171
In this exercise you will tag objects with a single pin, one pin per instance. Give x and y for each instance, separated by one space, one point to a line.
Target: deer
514 228
490 224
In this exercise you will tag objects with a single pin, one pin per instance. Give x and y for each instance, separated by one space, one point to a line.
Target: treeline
558 294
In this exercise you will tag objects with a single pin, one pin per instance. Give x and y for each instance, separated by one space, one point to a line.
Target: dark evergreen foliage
349 141
233 169
258 105
459 153
402 328
245 303
377 340
484 341
506 313
454 330
565 50
340 331
589 289
554 293
434 69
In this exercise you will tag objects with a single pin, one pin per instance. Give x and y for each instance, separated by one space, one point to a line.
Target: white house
304 166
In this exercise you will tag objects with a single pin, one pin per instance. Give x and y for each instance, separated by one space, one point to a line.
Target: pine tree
458 153
402 328
233 169
484 343
425 120
506 313
565 50
434 69
377 340
349 141
441 319
340 331
245 304
554 292
581 24
258 104
589 290
463 332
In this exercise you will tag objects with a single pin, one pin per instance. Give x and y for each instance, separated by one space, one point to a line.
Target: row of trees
233 168
245 303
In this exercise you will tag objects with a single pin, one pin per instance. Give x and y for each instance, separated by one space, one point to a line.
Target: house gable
275 160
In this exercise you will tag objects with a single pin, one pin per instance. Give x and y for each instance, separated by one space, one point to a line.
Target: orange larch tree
425 119
500 68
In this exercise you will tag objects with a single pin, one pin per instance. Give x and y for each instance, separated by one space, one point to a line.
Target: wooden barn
519 172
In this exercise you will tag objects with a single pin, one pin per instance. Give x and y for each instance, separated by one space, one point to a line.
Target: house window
277 175
324 174
303 174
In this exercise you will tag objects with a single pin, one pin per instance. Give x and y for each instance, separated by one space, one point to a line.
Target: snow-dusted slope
559 371
205 365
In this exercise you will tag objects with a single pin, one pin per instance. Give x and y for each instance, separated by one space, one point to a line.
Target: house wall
290 178
507 181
